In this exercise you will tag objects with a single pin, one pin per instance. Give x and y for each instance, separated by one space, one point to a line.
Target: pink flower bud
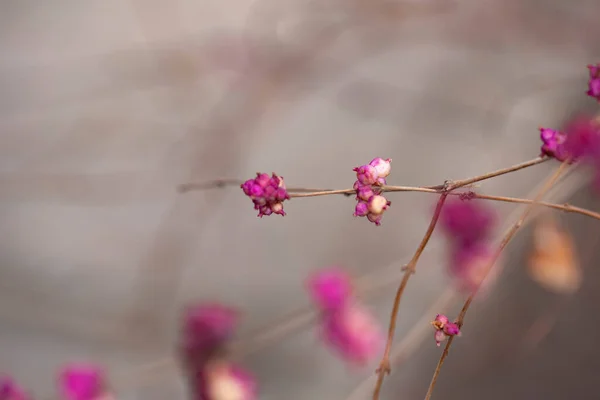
383 167
9 390
222 380
378 204
330 288
82 382
594 82
366 174
441 319
353 333
451 329
361 209
553 143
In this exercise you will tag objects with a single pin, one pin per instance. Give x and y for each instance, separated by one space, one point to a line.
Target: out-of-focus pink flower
470 265
444 328
267 193
222 380
353 333
10 390
82 382
467 221
330 289
594 82
206 327
583 139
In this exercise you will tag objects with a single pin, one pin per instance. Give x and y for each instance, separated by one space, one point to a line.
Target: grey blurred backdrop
107 105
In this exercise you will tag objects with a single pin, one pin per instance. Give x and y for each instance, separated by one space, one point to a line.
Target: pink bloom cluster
444 328
267 193
10 390
369 178
345 325
468 224
594 82
207 329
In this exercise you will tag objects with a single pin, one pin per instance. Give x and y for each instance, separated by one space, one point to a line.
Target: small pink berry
222 380
366 174
451 329
365 193
383 167
330 288
441 319
439 337
10 390
82 382
361 209
378 204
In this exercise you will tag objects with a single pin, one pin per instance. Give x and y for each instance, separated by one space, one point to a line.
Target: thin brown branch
566 207
505 241
493 174
384 366
221 183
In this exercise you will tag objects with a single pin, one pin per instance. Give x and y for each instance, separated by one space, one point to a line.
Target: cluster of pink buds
444 328
267 193
345 325
468 224
594 82
369 178
207 330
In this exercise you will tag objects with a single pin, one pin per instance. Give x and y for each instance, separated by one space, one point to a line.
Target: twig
507 238
384 366
308 192
566 207
469 181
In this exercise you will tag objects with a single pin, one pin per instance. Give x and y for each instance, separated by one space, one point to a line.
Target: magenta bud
451 329
361 209
366 174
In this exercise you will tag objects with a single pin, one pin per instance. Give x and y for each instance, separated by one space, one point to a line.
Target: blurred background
106 106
